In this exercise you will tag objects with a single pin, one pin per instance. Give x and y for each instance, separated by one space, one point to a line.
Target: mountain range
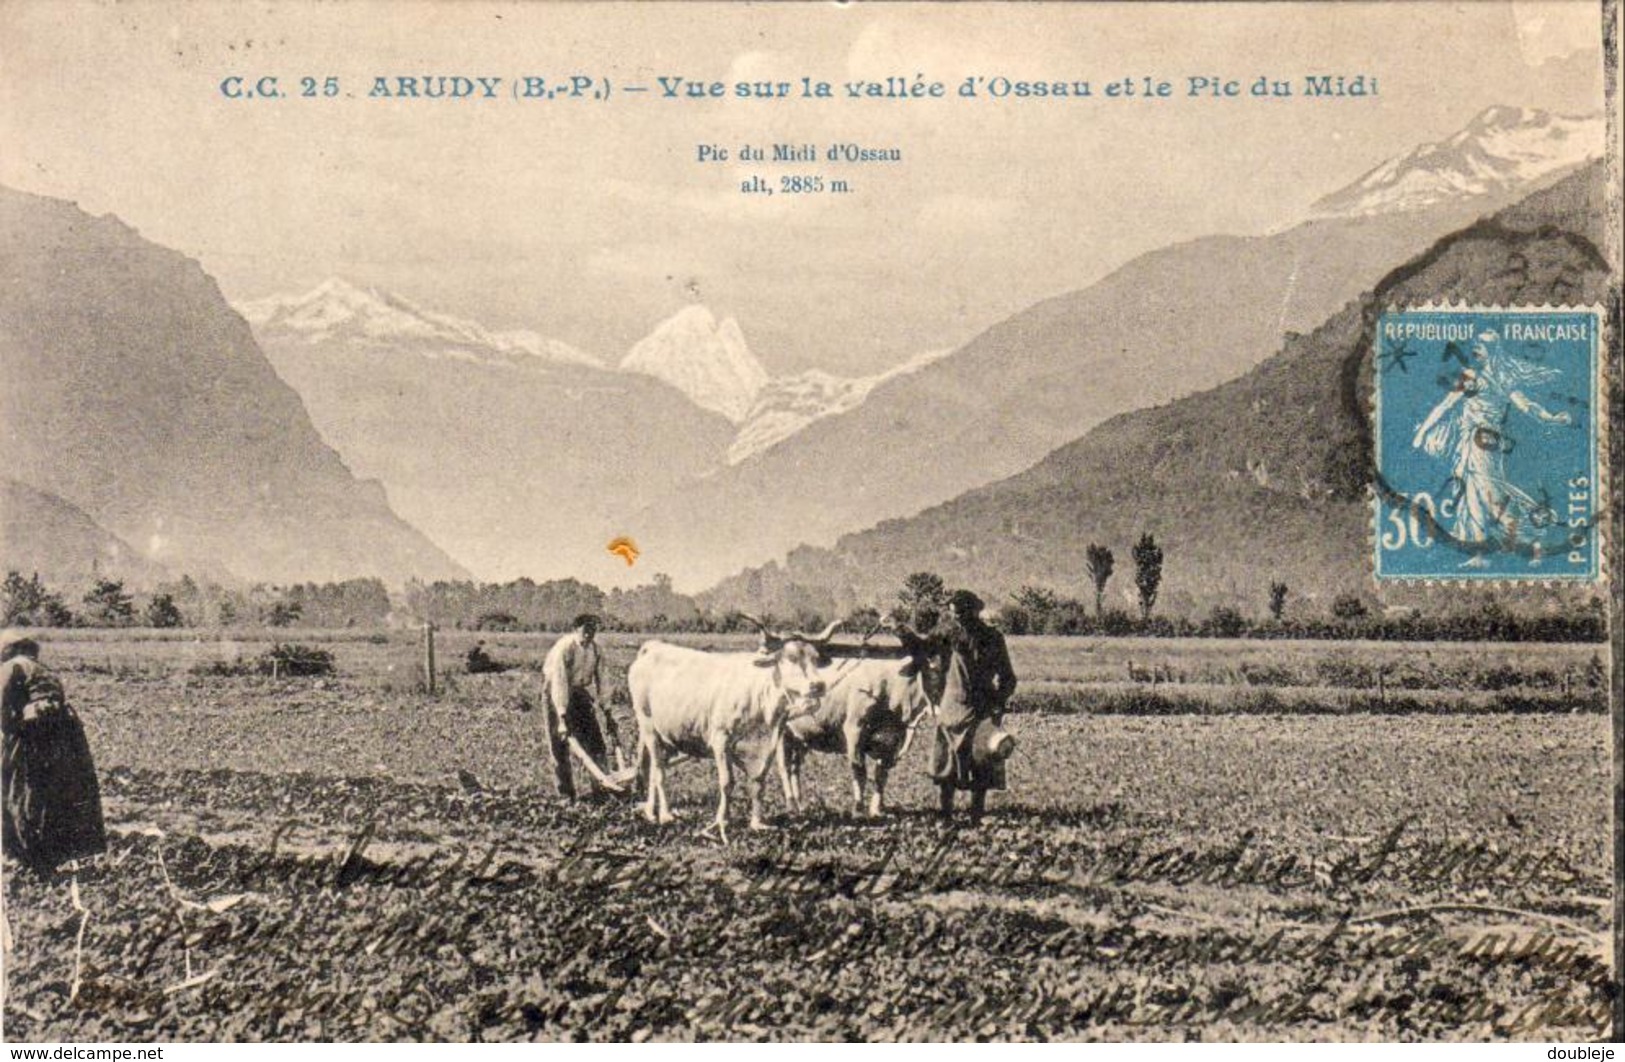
524 455
730 467
521 464
1259 479
158 432
140 415
1503 149
1164 325
339 312
1167 324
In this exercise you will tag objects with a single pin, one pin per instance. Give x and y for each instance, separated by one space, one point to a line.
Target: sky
592 220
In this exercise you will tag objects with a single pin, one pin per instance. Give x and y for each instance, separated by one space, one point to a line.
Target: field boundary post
428 657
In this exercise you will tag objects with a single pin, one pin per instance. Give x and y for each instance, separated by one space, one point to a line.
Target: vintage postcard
810 521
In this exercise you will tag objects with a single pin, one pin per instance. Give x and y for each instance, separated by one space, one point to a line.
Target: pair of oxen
797 693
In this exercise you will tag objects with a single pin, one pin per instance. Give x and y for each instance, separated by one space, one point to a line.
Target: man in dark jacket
976 679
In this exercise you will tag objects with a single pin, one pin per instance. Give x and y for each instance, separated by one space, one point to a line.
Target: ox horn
821 637
912 640
770 640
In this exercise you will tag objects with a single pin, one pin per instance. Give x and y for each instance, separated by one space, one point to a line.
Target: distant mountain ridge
523 454
523 466
787 404
706 360
138 397
1257 480
1164 325
1503 149
337 309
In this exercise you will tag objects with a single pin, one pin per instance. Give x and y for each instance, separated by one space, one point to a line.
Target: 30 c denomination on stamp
1487 441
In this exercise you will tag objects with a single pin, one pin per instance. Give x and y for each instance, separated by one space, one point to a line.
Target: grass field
1315 874
1057 674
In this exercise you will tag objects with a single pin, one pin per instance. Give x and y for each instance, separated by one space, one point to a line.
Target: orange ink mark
625 549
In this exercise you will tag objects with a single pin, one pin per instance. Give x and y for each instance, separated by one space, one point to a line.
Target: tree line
520 605
526 605
188 603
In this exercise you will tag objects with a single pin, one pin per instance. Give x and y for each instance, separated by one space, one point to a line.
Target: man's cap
965 601
16 643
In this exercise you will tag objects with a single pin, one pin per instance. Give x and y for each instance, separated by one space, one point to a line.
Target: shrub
923 598
1349 607
1015 620
29 603
163 612
302 660
1225 622
859 620
107 605
283 614
225 668
1069 617
1117 623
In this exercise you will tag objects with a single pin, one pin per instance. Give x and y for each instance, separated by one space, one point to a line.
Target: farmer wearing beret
977 681
971 664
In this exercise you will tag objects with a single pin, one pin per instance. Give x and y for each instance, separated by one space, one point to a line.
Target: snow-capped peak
705 360
336 302
1500 150
787 404
337 309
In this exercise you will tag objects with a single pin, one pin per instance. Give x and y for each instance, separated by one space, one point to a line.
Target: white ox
869 712
732 706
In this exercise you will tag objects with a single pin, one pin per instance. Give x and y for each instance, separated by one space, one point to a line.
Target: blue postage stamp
1488 429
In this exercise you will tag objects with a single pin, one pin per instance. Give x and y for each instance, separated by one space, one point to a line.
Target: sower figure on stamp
573 694
1468 426
976 680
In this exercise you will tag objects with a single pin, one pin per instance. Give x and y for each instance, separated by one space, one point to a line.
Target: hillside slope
1259 479
525 468
44 535
1167 324
137 395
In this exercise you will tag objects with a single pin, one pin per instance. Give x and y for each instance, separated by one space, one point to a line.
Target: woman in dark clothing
52 800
